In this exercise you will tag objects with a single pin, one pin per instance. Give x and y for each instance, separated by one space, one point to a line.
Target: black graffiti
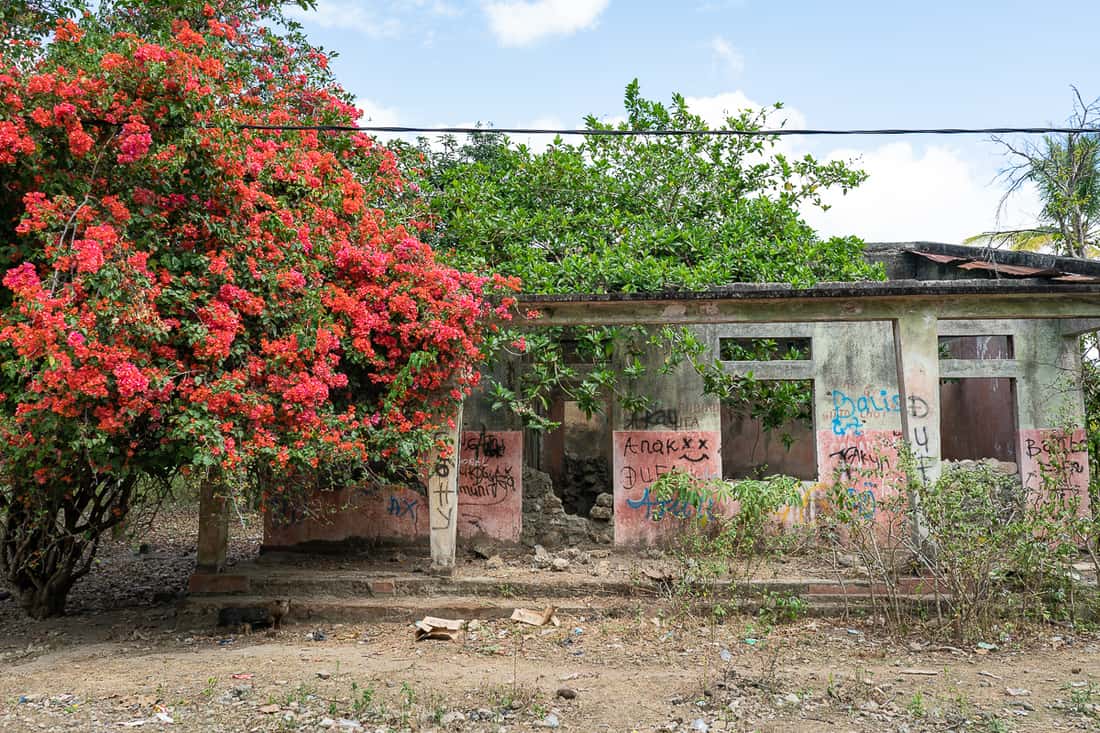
920 436
854 454
642 475
441 517
483 444
924 463
442 467
664 446
491 486
665 418
1054 445
918 407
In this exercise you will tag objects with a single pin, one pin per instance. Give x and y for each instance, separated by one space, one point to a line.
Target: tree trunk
49 600
41 560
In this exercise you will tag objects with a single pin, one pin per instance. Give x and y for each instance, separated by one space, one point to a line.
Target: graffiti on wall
640 457
1055 460
851 412
488 501
680 417
439 485
490 496
865 466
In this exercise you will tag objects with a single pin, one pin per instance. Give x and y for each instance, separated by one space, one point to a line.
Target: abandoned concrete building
966 353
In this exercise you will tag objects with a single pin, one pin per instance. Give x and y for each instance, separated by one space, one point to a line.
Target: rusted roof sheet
1052 267
942 259
1020 270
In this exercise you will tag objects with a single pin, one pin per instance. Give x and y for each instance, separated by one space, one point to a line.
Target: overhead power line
781 132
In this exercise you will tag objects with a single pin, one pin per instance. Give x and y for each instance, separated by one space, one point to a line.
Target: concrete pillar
916 344
443 496
213 526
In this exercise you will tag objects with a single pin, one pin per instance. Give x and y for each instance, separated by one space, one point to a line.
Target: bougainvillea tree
187 288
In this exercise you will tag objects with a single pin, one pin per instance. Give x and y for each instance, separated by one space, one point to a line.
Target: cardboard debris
536 618
431 627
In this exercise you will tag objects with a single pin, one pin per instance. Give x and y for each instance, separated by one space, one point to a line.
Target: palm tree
1066 171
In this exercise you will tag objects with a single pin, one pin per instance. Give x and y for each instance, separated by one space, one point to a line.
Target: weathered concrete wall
1051 409
875 383
680 429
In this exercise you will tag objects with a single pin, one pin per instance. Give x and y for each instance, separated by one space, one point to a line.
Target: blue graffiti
403 508
658 509
864 500
849 412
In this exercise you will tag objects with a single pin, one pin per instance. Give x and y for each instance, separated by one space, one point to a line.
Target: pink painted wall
389 513
867 466
490 485
1060 454
490 502
639 458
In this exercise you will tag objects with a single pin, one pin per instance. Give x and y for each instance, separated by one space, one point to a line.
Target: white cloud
350 15
376 114
935 194
519 23
715 109
726 56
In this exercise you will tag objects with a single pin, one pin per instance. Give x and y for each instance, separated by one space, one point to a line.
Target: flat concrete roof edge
867 289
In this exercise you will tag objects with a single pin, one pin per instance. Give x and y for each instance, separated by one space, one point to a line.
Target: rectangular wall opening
978 418
978 348
574 455
779 348
751 450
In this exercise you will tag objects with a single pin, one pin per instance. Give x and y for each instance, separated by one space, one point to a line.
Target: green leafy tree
623 213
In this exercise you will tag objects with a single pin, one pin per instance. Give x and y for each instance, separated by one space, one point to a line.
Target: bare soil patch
121 661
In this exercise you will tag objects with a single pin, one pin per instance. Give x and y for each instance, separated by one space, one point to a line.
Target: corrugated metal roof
1003 268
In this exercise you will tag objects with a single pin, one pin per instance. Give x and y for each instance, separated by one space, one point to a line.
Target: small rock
848 560
5 595
700 725
316 635
601 569
605 500
558 564
1017 692
495 562
452 717
326 723
270 709
566 693
348 724
550 721
324 674
484 550
601 513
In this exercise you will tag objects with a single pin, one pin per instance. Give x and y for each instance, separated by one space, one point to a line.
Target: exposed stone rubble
545 521
584 479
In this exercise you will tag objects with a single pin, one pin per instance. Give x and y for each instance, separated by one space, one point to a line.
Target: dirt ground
125 659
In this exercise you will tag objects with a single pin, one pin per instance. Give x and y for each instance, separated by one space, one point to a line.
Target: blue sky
517 63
